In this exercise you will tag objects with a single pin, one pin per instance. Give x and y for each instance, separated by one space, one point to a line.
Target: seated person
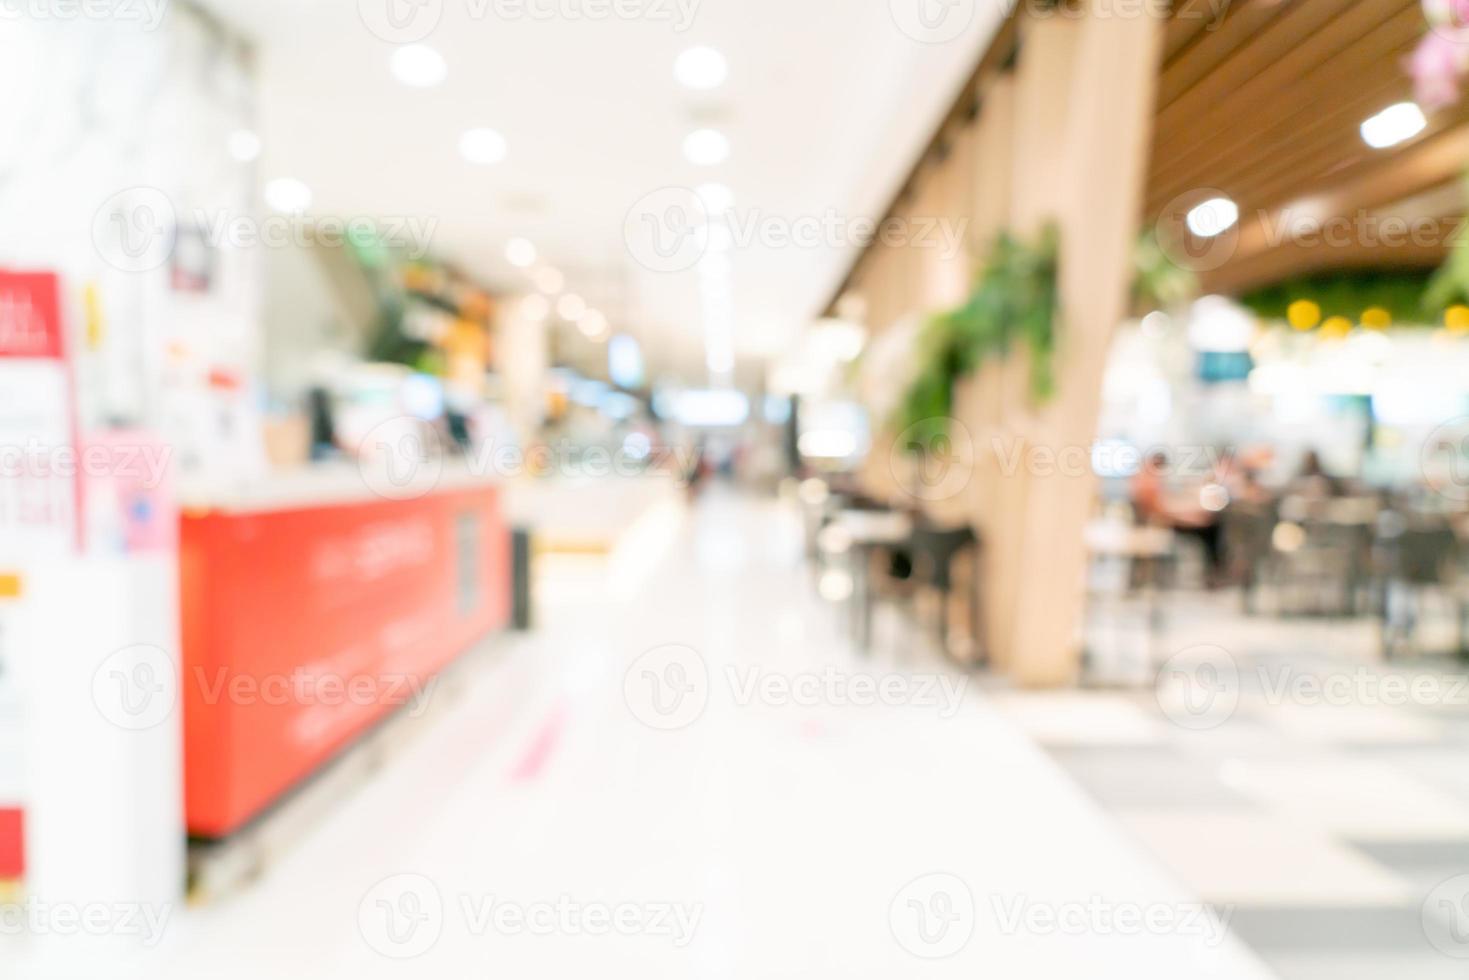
1185 515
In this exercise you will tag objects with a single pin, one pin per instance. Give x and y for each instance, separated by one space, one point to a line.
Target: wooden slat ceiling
1266 104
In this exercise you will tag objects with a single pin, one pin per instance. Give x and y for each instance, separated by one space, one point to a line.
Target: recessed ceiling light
1213 218
721 237
418 65
244 145
717 198
592 324
1393 125
520 253
571 307
706 147
287 194
549 280
701 68
482 145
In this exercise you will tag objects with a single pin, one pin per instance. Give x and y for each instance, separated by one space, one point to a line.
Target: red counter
12 843
303 626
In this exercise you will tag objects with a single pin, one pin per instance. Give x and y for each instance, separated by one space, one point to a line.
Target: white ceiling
826 105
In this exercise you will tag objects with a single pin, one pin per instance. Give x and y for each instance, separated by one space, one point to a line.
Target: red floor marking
541 747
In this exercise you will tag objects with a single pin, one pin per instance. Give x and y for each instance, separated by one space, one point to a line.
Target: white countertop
326 485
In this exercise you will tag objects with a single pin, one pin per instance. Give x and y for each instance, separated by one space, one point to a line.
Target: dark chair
1319 548
1247 548
1418 557
933 552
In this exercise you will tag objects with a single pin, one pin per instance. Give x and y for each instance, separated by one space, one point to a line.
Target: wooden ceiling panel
1297 22
1267 108
1228 161
1190 19
1278 58
1211 44
1318 74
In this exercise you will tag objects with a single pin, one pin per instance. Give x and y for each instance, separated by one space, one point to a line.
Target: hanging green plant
1158 282
1015 299
1449 286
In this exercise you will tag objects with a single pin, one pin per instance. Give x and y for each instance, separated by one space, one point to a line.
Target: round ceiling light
593 325
548 280
717 198
287 195
571 307
418 66
482 145
1213 218
706 147
701 68
1393 125
520 253
244 145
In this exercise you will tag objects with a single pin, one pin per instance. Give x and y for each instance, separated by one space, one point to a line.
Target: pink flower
1436 66
1446 14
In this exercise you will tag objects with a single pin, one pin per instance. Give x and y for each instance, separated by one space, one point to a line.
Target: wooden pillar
979 403
1096 184
1038 115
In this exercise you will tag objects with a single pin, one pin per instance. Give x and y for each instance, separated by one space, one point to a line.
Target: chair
934 550
1247 547
1419 557
1320 546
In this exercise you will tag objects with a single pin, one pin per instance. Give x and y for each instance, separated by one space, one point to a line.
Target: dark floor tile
1301 930
1146 777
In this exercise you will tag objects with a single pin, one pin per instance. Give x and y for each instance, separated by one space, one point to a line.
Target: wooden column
1098 181
1038 115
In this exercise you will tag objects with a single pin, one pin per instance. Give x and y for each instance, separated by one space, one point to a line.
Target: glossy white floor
686 772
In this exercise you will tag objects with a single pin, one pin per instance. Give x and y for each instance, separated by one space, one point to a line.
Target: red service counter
304 623
12 834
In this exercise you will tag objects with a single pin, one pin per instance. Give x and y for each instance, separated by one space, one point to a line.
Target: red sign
301 628
30 315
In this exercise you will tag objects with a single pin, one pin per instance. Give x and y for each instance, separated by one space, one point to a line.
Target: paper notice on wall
39 465
39 477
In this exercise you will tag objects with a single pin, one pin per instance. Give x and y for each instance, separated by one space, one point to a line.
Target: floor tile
1353 799
1081 718
1146 777
1257 859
